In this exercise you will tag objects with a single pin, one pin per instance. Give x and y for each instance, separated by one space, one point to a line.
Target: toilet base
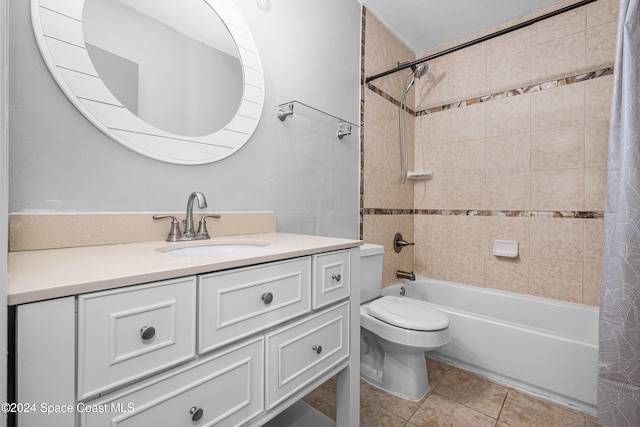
402 373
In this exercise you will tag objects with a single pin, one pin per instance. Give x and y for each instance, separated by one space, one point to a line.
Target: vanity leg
348 380
348 398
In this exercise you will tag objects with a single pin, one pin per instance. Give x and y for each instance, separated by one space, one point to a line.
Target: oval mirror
179 80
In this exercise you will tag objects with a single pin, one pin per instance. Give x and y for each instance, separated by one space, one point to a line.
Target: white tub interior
543 346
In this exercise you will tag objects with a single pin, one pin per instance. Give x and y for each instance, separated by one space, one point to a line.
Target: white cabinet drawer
331 278
130 333
237 303
225 390
297 354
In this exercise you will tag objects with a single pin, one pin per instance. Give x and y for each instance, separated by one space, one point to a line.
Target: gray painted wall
310 52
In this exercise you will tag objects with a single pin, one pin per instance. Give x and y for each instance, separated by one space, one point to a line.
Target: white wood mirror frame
58 29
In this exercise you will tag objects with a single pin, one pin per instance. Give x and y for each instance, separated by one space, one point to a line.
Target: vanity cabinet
298 353
331 278
225 389
236 303
228 348
128 334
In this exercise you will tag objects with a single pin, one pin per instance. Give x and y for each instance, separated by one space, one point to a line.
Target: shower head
418 71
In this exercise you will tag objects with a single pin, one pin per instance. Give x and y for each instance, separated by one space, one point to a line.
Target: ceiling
425 24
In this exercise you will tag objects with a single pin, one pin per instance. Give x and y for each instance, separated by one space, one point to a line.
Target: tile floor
457 398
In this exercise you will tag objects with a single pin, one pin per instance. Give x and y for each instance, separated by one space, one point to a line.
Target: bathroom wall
297 168
515 132
3 200
386 204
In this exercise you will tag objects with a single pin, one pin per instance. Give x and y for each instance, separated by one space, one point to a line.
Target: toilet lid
408 313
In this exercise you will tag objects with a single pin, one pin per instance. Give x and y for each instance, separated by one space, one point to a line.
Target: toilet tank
371 257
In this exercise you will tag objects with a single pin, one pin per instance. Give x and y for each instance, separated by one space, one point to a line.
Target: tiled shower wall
381 188
515 132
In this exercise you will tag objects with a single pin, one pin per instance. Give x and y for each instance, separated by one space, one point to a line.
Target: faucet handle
202 227
399 243
174 232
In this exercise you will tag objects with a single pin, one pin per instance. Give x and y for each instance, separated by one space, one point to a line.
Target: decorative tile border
499 213
498 95
521 91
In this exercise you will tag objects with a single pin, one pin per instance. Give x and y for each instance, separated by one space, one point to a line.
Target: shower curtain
619 354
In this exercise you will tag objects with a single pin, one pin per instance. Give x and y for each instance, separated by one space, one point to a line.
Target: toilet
395 332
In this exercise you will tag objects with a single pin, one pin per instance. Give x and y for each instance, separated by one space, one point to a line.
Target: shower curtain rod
480 39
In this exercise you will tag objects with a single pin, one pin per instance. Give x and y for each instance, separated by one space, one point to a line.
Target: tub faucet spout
405 275
189 231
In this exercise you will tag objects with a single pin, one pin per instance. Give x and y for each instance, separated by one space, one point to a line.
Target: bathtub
542 346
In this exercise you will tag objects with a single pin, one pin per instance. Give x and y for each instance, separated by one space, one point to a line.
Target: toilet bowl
394 334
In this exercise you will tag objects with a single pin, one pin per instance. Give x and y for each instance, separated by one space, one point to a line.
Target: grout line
503 403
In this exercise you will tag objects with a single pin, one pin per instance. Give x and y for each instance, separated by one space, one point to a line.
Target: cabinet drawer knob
337 277
317 349
196 413
267 298
147 332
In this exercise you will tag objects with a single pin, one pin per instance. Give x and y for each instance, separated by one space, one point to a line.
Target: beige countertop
45 274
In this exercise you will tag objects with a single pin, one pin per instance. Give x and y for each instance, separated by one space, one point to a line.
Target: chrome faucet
189 231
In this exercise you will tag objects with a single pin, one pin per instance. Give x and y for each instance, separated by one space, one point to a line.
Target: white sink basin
212 248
